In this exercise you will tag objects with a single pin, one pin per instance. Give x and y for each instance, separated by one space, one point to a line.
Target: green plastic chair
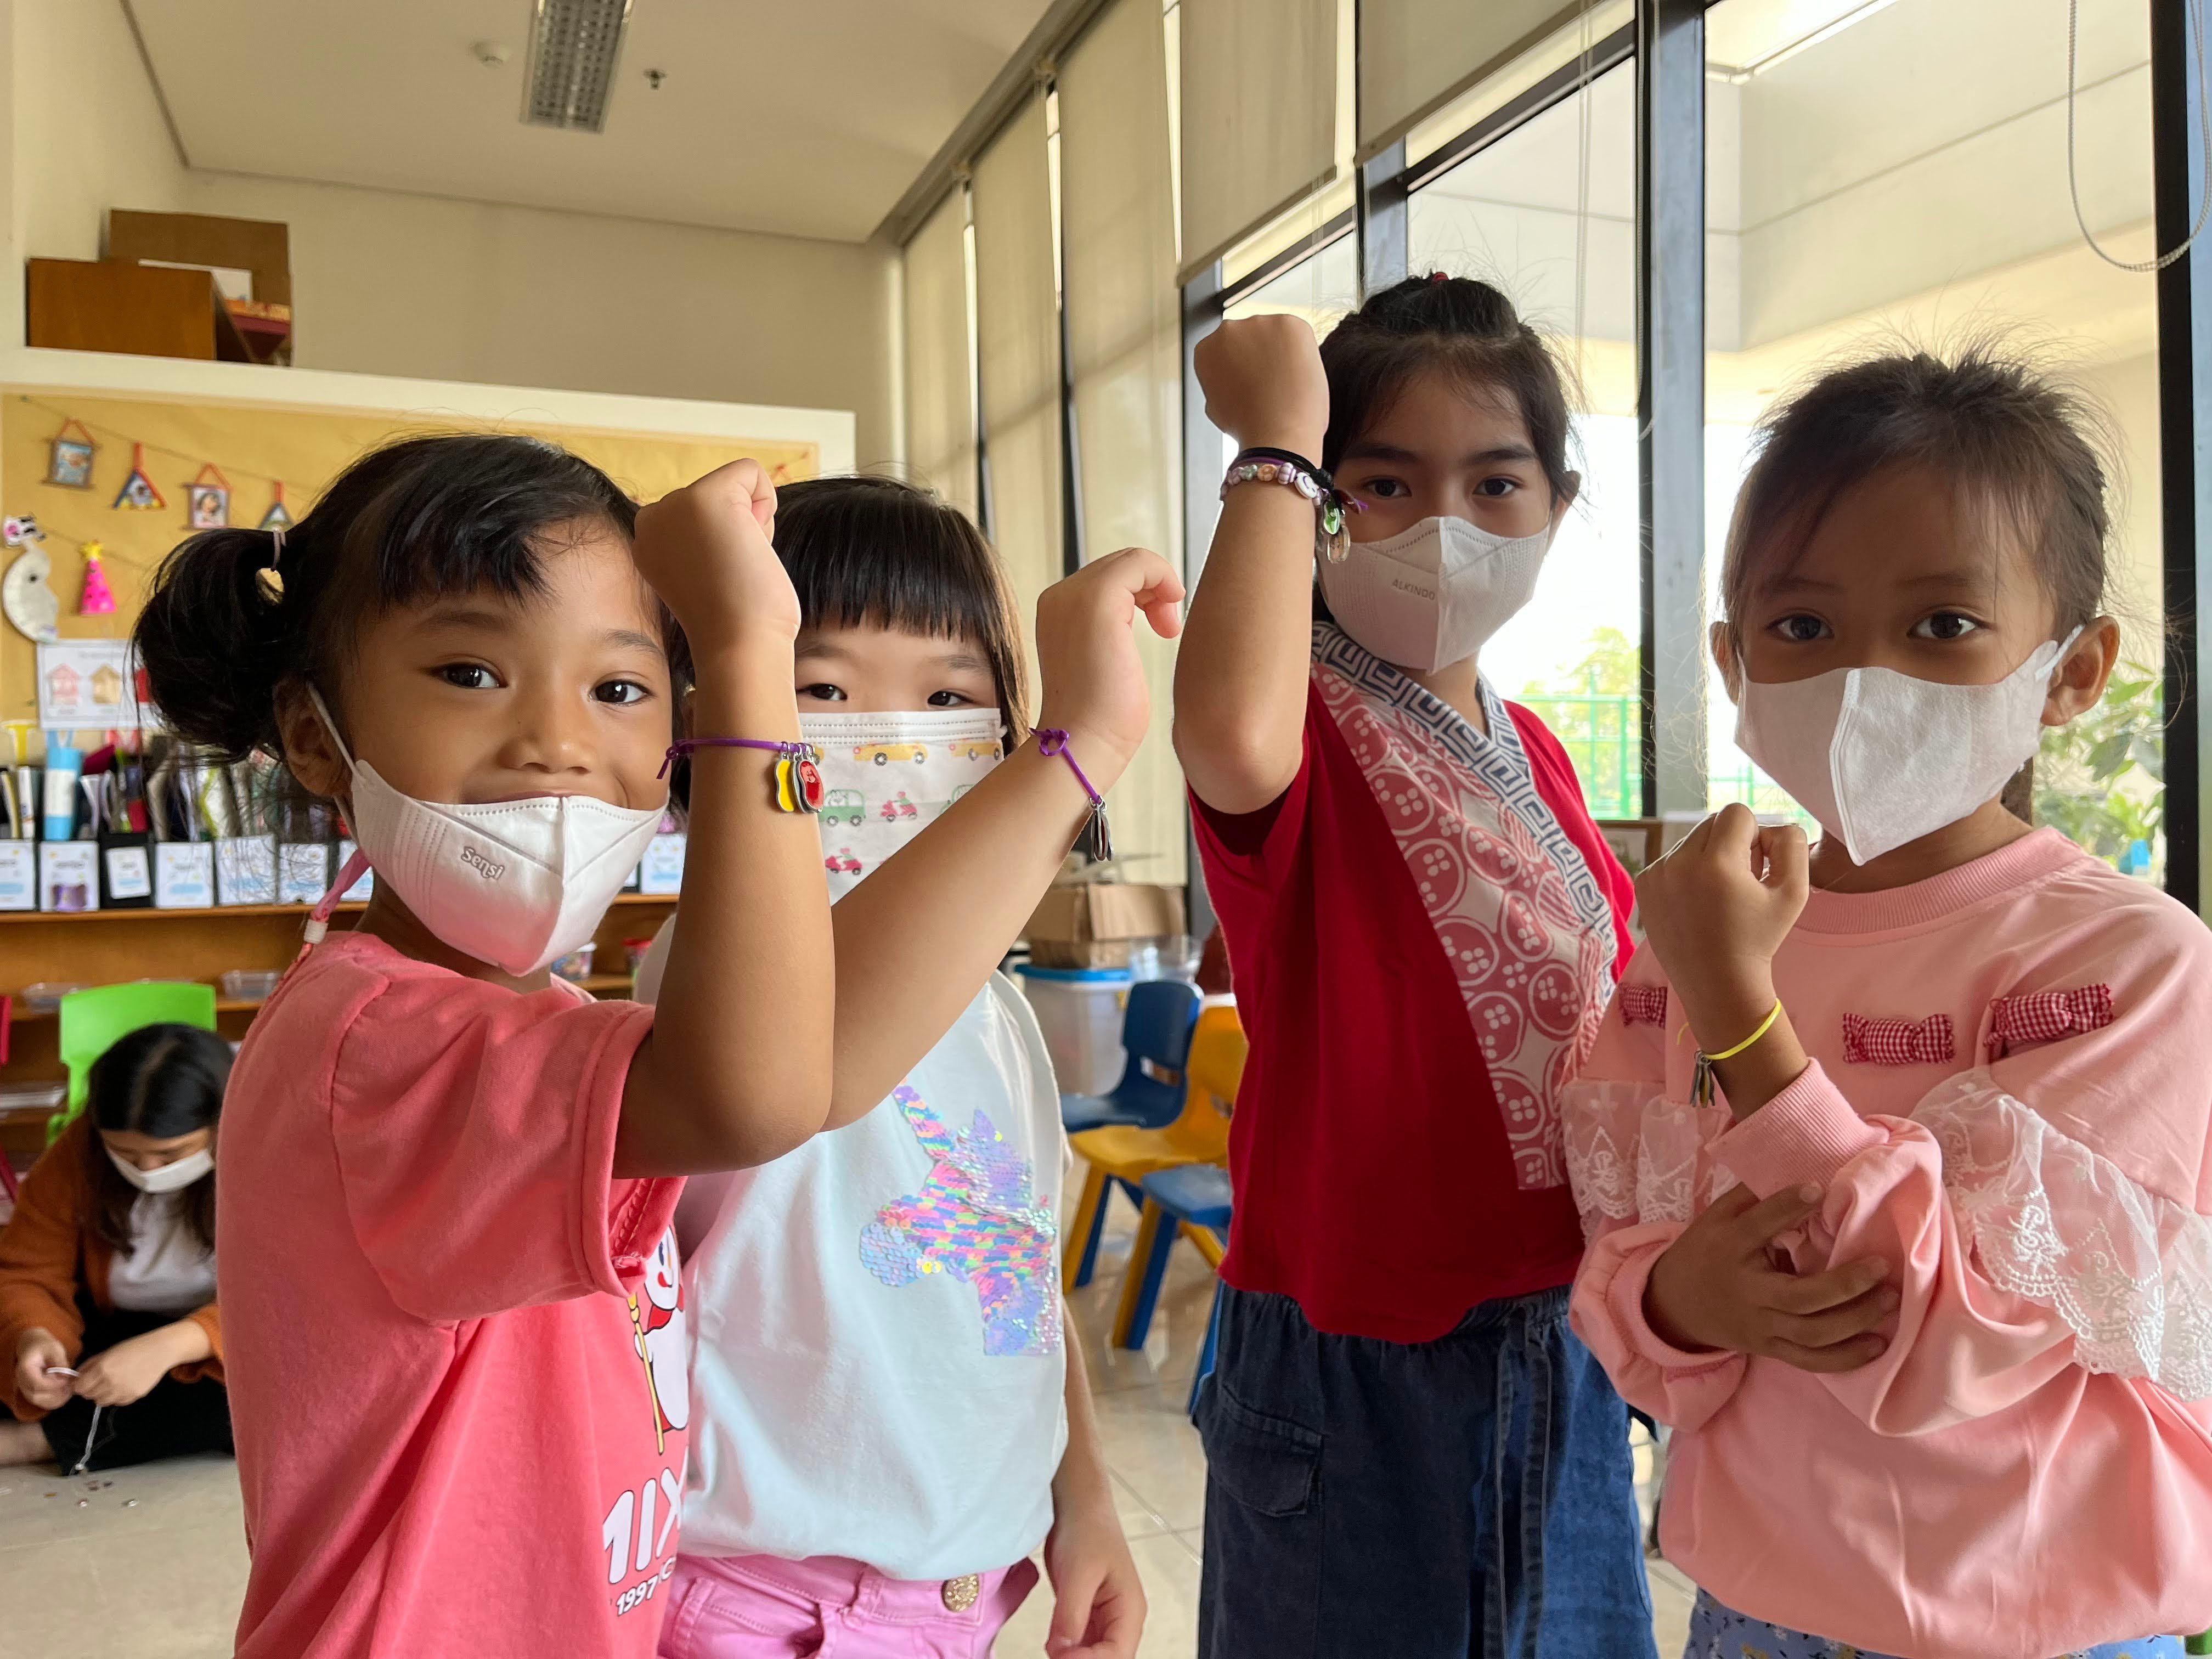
2200 1643
91 1021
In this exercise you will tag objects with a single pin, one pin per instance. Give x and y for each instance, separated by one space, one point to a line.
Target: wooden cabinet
100 947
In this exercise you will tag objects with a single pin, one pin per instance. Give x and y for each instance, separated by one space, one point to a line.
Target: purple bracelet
1098 839
799 785
684 746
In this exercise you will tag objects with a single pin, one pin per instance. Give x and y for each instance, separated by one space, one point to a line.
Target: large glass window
1546 212
1887 173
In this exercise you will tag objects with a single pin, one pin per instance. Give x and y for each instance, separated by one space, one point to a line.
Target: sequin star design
978 1219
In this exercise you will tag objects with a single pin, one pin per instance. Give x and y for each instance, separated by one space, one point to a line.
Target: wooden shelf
7 916
603 982
23 1013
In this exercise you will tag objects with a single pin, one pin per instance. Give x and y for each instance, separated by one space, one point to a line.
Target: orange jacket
48 1250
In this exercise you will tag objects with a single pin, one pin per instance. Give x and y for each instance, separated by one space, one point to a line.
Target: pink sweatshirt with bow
2010 1101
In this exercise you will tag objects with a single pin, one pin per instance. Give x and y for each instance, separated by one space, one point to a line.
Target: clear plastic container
47 995
576 966
248 984
1172 955
1080 1012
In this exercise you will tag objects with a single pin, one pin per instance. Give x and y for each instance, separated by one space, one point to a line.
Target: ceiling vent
574 45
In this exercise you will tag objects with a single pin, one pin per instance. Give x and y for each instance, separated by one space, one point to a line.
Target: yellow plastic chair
1119 1154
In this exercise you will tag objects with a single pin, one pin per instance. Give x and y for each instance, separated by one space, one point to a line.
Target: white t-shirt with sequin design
876 1363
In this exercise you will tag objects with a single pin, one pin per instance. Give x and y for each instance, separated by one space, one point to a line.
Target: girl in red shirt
1409 1450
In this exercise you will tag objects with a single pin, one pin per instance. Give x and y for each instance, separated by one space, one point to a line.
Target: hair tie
272 579
1439 276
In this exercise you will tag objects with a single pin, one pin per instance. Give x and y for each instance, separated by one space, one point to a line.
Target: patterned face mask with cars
889 776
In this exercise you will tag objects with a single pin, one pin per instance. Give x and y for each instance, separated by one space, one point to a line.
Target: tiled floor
150 1564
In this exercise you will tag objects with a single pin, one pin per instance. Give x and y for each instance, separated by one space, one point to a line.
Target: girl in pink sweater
1898 1188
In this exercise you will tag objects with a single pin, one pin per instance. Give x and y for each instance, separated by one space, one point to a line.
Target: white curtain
1017 324
1259 114
940 392
1416 54
1125 357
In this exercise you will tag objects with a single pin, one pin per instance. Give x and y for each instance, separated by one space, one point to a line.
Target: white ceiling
805 117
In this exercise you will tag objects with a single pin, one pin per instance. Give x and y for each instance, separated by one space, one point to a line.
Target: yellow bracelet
1765 1026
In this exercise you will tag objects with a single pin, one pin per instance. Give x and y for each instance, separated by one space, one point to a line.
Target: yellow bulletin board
254 448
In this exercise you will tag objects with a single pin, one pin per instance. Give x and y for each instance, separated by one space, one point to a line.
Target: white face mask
1433 594
1881 758
888 776
169 1177
518 883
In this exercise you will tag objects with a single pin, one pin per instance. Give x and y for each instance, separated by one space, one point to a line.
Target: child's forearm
188 1342
1081 1478
1241 676
736 1070
916 940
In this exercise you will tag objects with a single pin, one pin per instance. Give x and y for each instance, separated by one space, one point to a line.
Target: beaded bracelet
799 786
1332 534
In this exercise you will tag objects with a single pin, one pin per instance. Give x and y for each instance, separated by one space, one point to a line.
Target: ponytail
214 643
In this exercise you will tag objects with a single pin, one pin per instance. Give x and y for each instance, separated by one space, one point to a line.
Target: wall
254 448
393 283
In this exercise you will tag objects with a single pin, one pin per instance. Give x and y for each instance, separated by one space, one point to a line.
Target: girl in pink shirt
1896 1157
455 1339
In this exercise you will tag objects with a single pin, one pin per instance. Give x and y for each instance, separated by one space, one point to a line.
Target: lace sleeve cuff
2053 1220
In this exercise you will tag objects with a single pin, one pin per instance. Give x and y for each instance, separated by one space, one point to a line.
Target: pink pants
756 1607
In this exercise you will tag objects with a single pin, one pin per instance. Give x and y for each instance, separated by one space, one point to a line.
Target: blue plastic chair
1190 1200
1155 1029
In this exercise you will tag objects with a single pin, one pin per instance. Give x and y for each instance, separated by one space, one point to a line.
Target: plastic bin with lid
1079 1011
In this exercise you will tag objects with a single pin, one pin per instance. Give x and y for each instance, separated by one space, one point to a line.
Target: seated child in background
108 1327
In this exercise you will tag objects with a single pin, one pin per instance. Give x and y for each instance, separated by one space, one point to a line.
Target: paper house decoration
279 516
209 506
65 683
106 685
71 464
138 494
98 599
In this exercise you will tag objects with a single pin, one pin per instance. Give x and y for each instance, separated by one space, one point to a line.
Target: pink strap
1898 1041
319 918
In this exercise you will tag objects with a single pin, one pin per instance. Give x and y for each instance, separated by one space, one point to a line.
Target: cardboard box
1092 926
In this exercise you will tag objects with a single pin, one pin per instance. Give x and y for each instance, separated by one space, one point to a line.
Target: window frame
1667 41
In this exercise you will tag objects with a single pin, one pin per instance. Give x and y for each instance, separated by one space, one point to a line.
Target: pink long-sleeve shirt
2010 1101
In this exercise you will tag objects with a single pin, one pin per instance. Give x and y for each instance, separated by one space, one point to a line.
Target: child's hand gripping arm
918 938
1714 911
736 1070
1098 1610
1240 684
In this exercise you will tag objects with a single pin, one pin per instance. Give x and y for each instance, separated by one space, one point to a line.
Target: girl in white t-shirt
887 1418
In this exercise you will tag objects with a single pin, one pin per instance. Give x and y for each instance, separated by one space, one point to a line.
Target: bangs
425 539
861 556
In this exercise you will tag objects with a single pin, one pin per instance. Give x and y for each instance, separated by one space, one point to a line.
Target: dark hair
422 517
162 1082
1467 329
2015 443
867 551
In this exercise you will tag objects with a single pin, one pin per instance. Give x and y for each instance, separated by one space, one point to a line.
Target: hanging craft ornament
138 494
70 464
278 517
98 599
208 500
29 602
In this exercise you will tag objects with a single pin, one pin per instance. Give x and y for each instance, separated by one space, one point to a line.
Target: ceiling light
1782 55
574 45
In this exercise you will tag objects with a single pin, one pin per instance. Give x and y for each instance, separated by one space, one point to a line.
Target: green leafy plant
2101 781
